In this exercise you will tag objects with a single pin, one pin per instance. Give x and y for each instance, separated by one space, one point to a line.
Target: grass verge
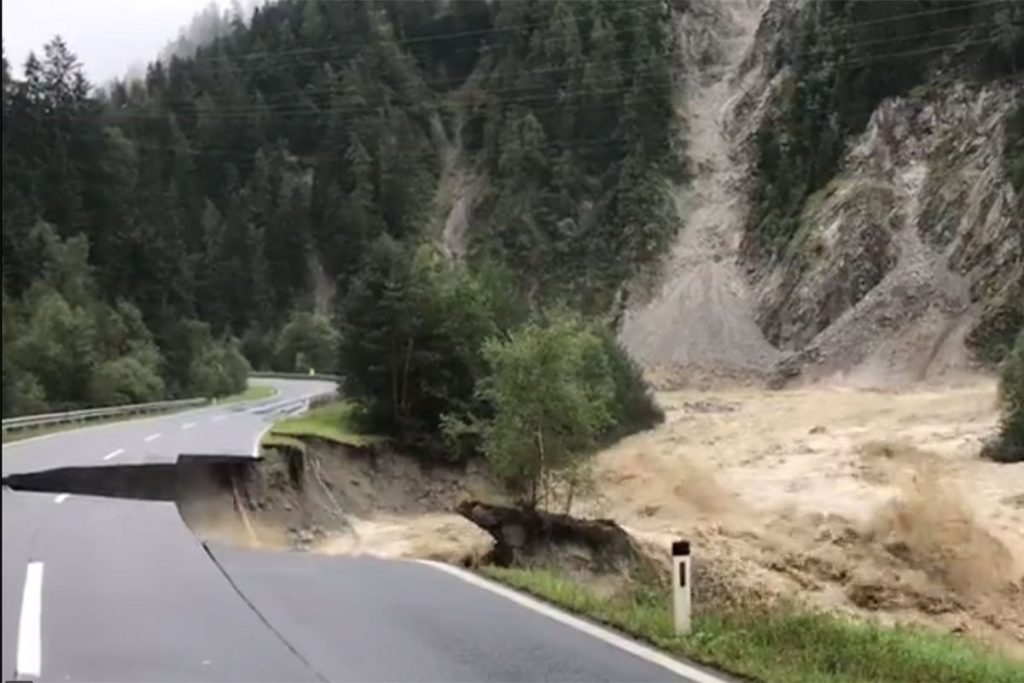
253 392
333 422
778 645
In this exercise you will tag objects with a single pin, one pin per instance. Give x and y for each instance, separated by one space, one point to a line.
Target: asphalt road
99 589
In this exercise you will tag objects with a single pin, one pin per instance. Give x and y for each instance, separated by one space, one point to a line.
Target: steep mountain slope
852 209
703 314
903 250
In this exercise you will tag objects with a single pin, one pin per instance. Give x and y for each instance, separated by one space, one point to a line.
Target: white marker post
681 586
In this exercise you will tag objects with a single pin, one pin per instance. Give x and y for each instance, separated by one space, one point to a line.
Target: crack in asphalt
266 622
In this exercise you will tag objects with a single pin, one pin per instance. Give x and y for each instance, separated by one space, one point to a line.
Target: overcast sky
108 36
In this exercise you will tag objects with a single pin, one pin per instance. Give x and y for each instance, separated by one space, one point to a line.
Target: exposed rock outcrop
907 264
904 255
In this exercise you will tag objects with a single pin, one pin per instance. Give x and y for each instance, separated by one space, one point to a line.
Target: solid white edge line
30 624
631 646
61 498
113 454
153 437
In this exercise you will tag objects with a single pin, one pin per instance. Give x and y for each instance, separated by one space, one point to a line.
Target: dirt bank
343 500
866 501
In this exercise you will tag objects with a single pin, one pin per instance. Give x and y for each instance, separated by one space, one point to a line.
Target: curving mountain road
101 589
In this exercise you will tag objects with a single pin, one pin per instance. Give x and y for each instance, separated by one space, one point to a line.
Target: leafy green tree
552 399
220 370
307 342
28 396
413 332
58 346
128 379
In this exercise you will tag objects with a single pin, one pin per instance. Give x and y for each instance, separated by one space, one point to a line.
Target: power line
248 109
488 96
558 100
416 39
912 36
573 144
455 80
653 66
295 111
514 27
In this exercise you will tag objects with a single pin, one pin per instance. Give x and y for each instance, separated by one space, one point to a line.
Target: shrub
308 341
28 397
1009 447
634 408
220 370
130 379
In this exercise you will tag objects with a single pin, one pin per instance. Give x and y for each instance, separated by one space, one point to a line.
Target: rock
817 429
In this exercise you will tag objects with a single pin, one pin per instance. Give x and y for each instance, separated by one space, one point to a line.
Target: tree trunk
405 377
542 471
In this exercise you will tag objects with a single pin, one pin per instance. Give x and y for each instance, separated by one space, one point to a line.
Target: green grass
333 422
779 645
253 392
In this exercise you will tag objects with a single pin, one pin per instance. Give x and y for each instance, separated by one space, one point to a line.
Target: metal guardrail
295 375
74 416
14 424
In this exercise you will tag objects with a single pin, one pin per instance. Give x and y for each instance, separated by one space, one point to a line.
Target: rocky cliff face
907 264
912 252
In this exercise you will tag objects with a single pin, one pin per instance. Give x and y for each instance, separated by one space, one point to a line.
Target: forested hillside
244 201
383 188
846 57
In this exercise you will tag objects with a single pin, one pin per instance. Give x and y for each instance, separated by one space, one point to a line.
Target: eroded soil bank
336 499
